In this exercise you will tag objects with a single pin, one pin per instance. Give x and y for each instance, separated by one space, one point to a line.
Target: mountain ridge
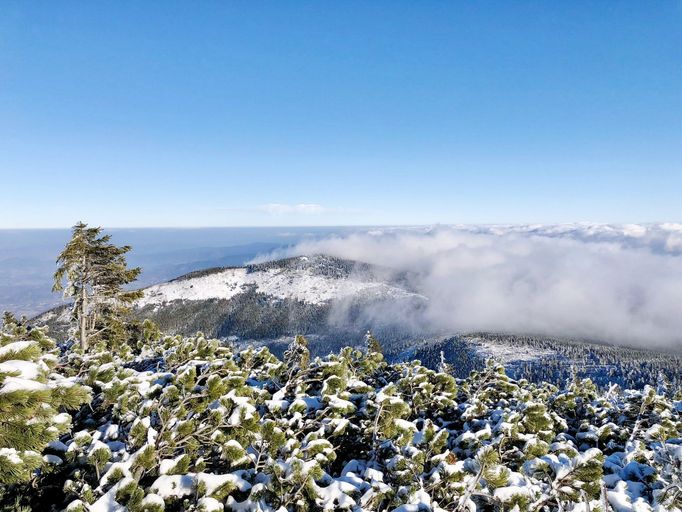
334 301
292 295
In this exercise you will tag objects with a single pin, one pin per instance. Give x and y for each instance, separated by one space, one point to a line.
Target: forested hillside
314 294
547 359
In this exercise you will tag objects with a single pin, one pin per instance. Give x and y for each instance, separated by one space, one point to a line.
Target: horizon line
303 226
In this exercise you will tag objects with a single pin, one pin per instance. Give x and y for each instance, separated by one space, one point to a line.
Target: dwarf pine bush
191 424
34 399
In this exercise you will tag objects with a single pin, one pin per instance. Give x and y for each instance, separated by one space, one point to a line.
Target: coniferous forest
120 417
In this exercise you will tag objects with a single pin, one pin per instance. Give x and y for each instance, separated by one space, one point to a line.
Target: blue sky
334 113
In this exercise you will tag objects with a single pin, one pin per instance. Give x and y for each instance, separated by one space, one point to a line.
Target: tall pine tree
93 272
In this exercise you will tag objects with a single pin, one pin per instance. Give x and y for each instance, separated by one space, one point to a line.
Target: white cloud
621 284
292 209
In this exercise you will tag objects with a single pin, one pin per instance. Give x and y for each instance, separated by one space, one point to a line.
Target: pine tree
32 399
567 478
444 366
93 272
372 344
297 355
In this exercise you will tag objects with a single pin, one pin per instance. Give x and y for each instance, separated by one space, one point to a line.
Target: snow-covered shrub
190 424
34 399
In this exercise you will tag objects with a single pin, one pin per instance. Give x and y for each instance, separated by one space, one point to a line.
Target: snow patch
298 284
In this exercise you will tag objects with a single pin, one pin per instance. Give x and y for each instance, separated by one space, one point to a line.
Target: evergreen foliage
373 345
93 273
34 399
297 355
192 424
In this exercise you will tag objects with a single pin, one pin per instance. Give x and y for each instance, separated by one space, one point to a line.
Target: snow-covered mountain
302 295
315 280
334 301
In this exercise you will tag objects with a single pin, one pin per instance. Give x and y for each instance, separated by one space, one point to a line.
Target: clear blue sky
295 113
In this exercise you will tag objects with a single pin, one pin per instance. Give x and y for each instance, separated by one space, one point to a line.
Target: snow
215 482
507 354
620 498
11 454
340 404
318 442
414 507
75 505
243 410
19 368
153 500
404 424
308 403
62 418
334 497
518 486
166 465
209 505
108 503
53 459
248 505
374 475
15 347
298 284
177 486
174 486
97 445
234 444
14 384
110 431
277 405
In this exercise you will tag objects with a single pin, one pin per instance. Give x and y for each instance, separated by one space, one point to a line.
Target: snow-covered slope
300 279
301 295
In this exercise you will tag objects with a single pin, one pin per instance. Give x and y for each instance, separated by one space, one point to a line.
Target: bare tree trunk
84 308
84 319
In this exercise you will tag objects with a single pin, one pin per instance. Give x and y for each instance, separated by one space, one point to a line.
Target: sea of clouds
615 283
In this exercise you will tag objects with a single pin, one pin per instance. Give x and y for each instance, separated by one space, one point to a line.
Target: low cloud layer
620 284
